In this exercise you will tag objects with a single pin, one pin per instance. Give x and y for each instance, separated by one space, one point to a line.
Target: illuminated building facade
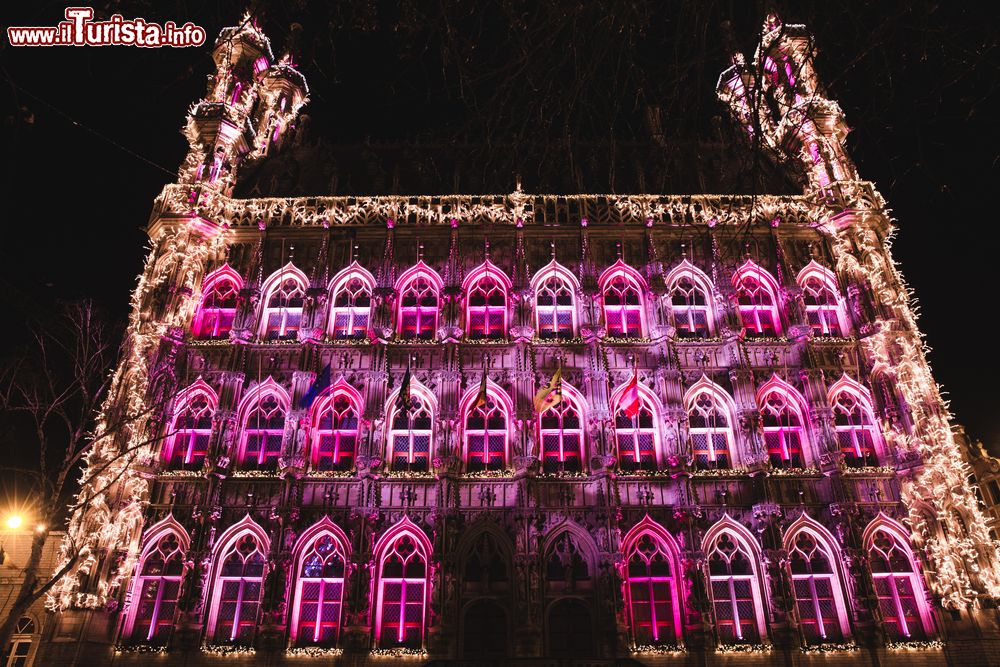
470 427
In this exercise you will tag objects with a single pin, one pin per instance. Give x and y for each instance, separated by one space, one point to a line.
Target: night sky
86 131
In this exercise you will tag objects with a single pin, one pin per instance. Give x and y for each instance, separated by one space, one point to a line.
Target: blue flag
321 384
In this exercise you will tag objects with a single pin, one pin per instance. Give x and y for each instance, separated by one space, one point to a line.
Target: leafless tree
50 398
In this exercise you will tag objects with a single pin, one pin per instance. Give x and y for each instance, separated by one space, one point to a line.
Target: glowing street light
14 521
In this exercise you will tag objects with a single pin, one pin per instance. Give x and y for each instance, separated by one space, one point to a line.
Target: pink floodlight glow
649 571
191 427
622 289
560 433
555 289
757 300
711 413
156 588
401 586
637 439
419 289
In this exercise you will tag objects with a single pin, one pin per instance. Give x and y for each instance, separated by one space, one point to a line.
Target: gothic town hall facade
581 429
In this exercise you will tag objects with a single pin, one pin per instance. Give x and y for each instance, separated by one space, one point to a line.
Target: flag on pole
319 385
630 397
550 394
481 396
403 397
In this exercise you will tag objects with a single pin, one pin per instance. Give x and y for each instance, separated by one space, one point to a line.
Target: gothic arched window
690 294
784 429
351 303
824 306
486 434
191 429
238 587
621 291
735 590
19 651
485 564
636 437
410 431
816 586
319 592
854 423
555 303
335 430
284 297
650 593
486 303
157 589
710 424
263 430
217 309
418 304
560 430
898 586
401 592
757 300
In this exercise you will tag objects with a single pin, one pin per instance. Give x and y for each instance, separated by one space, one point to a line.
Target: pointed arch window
854 425
486 435
351 305
566 566
410 434
734 589
284 301
636 437
192 432
555 306
561 436
402 593
485 564
157 590
19 651
898 587
319 593
710 426
263 430
757 301
816 587
238 590
784 432
335 432
418 308
690 302
650 590
824 306
217 310
622 297
486 305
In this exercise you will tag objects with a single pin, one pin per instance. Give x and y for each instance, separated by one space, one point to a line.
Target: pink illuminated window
410 435
418 309
487 309
756 300
711 431
636 437
623 306
898 587
218 310
263 429
335 434
650 591
555 308
192 431
283 312
402 595
817 591
238 591
783 430
561 434
855 427
486 436
689 302
351 309
735 594
823 307
157 589
319 593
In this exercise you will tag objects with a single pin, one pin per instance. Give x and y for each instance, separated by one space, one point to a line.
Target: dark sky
514 84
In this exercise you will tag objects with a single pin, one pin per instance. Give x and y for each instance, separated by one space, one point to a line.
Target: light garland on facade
830 648
932 645
314 652
398 652
121 649
743 648
658 649
229 650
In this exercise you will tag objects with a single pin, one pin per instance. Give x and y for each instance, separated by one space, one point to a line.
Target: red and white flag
630 397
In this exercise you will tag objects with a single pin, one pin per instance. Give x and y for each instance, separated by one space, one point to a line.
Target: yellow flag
550 394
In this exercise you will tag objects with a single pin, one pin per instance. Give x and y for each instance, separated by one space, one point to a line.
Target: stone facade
595 428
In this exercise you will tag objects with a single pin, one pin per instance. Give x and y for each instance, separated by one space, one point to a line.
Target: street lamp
14 521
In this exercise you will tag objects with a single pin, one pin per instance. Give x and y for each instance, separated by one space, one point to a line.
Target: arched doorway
570 630
485 634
